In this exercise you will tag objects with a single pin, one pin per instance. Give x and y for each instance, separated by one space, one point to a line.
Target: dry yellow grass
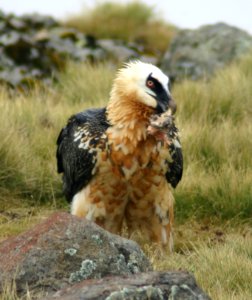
134 21
221 262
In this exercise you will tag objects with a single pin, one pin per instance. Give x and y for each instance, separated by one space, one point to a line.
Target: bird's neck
129 119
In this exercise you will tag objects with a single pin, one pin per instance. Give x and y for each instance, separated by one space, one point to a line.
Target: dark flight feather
73 160
174 174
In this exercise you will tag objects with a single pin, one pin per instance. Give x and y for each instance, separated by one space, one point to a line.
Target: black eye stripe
161 95
157 88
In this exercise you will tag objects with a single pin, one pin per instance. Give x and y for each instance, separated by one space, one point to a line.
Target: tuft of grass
28 141
30 124
134 21
214 118
220 261
9 291
86 85
16 220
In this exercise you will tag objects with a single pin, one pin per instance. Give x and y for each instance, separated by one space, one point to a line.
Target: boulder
66 257
153 285
118 50
36 47
64 250
199 53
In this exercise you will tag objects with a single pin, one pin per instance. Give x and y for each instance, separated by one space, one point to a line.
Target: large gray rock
198 53
35 47
118 51
144 286
64 250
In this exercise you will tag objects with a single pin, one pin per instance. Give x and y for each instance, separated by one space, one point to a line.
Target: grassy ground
213 235
134 21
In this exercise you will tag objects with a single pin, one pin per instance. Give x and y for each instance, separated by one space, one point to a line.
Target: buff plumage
116 168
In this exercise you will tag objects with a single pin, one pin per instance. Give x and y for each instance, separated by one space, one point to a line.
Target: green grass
213 201
215 122
27 133
133 21
214 118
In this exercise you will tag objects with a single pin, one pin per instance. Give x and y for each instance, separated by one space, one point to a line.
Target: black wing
77 149
175 171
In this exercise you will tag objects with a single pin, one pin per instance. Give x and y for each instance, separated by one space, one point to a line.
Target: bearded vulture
119 163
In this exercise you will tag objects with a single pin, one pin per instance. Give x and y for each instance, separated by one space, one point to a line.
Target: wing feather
175 171
77 146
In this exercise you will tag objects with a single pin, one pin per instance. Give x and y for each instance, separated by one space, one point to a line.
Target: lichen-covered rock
144 286
118 50
64 250
198 53
36 47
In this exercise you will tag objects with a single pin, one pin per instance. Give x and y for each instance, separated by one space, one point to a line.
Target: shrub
134 21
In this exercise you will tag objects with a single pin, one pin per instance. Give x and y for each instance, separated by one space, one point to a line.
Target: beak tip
173 106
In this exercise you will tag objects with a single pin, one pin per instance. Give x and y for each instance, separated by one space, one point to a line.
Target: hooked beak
172 105
164 103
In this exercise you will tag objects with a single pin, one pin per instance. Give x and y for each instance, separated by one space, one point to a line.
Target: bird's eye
150 84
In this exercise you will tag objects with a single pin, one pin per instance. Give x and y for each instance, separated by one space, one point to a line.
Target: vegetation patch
133 21
213 201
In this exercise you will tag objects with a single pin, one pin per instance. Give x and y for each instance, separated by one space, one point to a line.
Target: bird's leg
163 233
163 219
152 214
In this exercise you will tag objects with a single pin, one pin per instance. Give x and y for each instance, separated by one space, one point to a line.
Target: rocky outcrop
199 53
144 286
67 257
36 47
65 250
